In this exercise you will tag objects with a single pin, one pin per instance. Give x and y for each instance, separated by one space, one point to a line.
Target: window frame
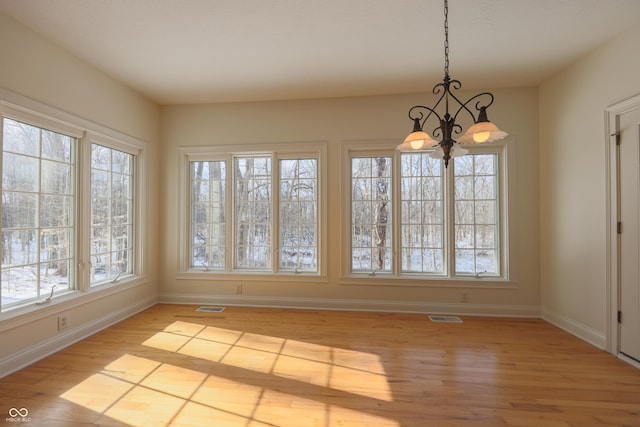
227 153
137 189
505 153
318 188
16 107
499 199
271 223
72 277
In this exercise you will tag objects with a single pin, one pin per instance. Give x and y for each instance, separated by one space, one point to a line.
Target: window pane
56 211
19 210
100 157
476 215
371 220
56 146
55 245
298 215
485 187
19 284
253 213
20 173
121 163
100 183
208 227
38 209
464 212
55 177
421 205
99 240
20 138
112 232
21 247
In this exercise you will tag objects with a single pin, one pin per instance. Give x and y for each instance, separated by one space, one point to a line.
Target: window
298 215
38 212
371 214
111 213
421 206
476 215
69 206
254 213
208 225
447 220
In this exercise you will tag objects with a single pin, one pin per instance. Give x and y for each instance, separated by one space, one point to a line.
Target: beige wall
34 68
573 183
333 121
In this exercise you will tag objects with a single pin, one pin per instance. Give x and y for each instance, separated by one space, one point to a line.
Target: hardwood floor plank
172 366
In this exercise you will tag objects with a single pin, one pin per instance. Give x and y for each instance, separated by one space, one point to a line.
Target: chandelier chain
446 38
448 147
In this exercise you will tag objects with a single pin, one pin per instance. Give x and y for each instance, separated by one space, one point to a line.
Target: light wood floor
255 367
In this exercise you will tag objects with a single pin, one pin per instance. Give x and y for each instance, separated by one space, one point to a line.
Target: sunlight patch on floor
98 392
140 391
341 369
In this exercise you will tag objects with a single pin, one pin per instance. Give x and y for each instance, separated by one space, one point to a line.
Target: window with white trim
38 212
208 224
69 206
371 213
298 191
476 214
112 207
254 213
447 221
422 213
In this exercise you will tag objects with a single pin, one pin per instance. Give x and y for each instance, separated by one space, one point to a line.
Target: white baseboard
353 305
629 360
43 349
584 332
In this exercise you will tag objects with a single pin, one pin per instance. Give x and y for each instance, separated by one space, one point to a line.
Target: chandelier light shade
482 131
446 127
417 139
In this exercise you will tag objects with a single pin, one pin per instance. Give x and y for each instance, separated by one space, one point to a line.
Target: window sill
431 282
253 276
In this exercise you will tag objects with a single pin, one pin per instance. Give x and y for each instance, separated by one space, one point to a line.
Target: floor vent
210 309
446 319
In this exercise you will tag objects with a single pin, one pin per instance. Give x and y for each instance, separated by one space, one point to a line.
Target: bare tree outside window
371 214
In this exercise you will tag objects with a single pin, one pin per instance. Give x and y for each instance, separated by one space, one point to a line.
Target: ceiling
197 51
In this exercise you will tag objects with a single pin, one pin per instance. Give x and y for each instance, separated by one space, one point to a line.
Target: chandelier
447 147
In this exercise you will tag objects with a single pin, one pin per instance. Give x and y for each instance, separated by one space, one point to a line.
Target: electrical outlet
63 322
239 289
465 297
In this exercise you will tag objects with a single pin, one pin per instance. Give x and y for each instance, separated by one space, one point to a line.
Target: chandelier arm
421 116
464 105
444 91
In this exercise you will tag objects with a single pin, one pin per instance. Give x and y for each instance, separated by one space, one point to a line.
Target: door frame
612 159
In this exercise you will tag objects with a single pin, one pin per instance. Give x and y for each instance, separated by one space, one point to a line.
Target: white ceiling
195 51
